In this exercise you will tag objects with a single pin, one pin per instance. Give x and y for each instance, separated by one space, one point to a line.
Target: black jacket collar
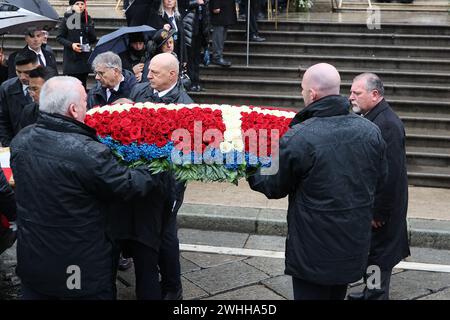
60 123
325 107
380 107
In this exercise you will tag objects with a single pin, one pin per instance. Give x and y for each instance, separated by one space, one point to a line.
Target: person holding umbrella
77 35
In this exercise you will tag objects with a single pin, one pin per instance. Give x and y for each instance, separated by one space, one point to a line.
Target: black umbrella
16 20
138 11
118 40
41 7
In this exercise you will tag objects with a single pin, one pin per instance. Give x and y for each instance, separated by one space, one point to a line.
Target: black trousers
169 255
304 290
145 261
194 59
30 294
254 10
382 293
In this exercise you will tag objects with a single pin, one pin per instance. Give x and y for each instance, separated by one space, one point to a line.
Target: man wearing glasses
113 83
14 96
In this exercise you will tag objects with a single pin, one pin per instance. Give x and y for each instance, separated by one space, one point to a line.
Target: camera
85 48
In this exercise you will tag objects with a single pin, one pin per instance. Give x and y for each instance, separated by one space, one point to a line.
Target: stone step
346 37
319 26
428 159
360 62
416 6
343 49
348 27
429 176
406 104
269 72
292 87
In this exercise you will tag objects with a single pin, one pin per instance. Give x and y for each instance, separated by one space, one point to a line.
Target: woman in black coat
77 29
168 17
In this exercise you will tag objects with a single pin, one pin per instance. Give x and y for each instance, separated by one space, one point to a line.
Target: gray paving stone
187 266
212 238
441 295
256 292
207 260
282 285
271 266
428 255
271 222
191 291
226 277
405 285
274 243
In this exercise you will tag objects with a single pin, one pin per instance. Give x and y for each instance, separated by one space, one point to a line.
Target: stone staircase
416 6
412 60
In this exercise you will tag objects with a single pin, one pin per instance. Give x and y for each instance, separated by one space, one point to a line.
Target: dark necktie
41 62
172 23
155 97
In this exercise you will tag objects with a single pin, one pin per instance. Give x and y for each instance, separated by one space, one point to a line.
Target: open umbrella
40 7
17 20
118 40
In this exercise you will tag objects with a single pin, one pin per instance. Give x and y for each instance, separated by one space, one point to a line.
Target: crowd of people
342 164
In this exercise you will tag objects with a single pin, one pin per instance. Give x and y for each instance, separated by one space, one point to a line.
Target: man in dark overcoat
389 243
223 15
330 162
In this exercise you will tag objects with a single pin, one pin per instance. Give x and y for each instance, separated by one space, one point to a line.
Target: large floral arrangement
196 142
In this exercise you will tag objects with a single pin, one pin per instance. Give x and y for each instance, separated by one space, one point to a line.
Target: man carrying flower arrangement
65 179
164 87
330 162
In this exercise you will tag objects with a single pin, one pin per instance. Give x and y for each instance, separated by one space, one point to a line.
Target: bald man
164 85
330 162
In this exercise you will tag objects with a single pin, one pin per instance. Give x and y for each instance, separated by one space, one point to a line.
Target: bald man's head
163 71
319 81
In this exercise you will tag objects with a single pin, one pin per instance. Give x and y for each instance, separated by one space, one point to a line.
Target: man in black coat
65 181
14 96
113 83
34 40
330 162
223 15
389 243
30 112
8 209
164 87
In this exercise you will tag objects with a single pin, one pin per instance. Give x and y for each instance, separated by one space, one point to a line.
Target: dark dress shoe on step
257 39
221 62
196 88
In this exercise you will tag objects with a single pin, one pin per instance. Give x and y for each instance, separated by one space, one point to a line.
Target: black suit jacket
12 103
50 60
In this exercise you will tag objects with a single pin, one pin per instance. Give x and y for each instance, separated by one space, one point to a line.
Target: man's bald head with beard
319 81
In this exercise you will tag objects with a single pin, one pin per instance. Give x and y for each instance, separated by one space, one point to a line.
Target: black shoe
256 38
221 62
356 296
125 263
196 88
177 295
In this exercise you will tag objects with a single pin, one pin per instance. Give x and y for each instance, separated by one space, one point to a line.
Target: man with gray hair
389 244
113 82
330 162
65 179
